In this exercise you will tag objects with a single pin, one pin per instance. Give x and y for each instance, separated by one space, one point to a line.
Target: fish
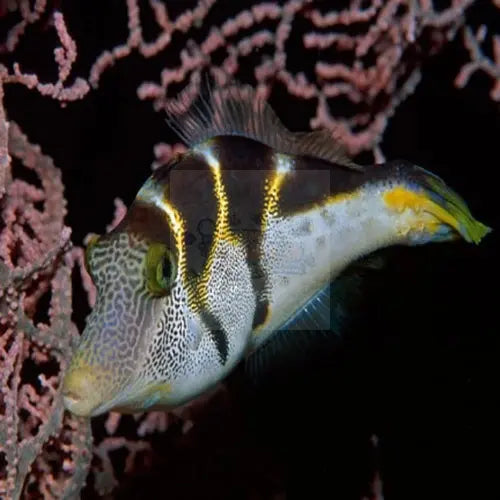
247 234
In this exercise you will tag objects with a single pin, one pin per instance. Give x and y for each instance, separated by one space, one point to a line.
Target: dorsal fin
240 110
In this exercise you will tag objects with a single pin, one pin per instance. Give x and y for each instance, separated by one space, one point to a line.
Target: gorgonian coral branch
33 244
479 61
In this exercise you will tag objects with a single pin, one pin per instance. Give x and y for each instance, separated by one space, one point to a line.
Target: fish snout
83 390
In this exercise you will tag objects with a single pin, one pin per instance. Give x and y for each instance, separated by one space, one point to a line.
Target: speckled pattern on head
112 341
178 307
122 306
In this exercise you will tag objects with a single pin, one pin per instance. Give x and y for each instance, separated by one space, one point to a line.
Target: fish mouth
84 391
434 212
78 396
86 394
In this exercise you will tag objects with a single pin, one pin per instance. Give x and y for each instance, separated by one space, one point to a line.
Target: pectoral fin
320 324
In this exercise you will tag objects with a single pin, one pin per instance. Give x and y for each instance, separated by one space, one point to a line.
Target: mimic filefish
234 240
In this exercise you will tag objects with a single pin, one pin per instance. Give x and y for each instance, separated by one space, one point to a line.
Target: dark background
418 367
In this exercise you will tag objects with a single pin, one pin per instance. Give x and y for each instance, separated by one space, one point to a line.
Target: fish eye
161 269
164 271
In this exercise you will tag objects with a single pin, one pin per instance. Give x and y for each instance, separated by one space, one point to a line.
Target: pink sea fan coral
36 332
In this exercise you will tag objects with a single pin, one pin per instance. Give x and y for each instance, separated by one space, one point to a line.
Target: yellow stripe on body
326 202
222 226
273 187
177 224
284 165
152 193
223 231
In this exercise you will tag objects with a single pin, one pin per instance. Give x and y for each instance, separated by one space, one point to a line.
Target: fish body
231 242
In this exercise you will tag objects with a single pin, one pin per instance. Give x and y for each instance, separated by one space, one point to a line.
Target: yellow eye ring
161 269
91 243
